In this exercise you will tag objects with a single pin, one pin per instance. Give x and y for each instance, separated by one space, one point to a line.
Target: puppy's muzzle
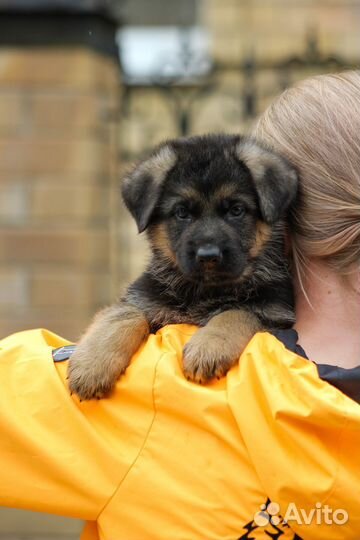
208 257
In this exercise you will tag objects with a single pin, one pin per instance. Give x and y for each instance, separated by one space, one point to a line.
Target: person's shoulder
276 357
32 344
290 339
345 380
280 346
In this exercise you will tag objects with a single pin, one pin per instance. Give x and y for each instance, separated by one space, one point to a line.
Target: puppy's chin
213 278
211 275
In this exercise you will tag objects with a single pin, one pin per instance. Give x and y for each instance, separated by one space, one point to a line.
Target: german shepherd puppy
214 208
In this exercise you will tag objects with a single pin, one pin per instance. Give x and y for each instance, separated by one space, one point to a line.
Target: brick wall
271 31
276 29
64 243
58 149
58 155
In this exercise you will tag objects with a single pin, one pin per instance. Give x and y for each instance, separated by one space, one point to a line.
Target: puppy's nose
208 254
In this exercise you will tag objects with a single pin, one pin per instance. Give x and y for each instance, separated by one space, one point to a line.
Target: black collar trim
346 380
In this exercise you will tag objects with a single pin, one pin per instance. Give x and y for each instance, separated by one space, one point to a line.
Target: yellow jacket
166 459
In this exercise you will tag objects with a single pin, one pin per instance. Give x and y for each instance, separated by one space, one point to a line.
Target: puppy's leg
216 347
105 350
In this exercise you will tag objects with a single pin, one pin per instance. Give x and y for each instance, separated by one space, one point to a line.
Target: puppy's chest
195 310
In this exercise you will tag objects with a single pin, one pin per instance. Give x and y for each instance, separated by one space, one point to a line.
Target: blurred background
87 87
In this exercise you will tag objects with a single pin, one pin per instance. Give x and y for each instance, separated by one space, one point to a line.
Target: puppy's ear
275 179
141 188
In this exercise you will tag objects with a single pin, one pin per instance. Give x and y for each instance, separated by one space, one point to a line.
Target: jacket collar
346 380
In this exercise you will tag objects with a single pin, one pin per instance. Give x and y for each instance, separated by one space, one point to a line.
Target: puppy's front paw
105 351
208 355
92 374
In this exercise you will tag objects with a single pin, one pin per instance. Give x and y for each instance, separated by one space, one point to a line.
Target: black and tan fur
214 209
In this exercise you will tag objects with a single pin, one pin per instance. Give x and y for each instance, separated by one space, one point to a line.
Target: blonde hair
316 124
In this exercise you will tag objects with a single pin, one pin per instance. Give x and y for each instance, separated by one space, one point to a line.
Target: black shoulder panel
346 380
290 339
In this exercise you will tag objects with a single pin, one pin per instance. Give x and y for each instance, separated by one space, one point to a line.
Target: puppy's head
210 203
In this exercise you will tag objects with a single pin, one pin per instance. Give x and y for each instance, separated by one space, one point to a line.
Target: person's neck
329 330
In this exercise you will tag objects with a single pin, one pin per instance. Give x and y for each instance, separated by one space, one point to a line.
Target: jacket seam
142 445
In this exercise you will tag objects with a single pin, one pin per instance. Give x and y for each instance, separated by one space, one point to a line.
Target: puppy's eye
236 210
181 212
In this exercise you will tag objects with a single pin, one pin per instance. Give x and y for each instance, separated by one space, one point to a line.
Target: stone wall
58 152
270 32
276 29
58 203
66 245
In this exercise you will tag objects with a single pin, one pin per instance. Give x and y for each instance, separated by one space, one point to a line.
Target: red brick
64 288
61 202
14 202
11 110
14 287
58 68
71 110
81 178
80 247
66 156
69 324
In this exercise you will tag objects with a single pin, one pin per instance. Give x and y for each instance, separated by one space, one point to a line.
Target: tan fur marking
159 164
259 159
255 158
105 350
262 236
160 239
190 193
216 347
227 191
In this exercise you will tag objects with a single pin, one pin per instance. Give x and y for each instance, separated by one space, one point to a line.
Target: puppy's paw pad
87 387
206 359
92 380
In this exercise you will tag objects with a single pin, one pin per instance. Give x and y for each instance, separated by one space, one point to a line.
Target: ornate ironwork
185 97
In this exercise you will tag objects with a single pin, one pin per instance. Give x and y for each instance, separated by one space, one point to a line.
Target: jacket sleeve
303 437
51 457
